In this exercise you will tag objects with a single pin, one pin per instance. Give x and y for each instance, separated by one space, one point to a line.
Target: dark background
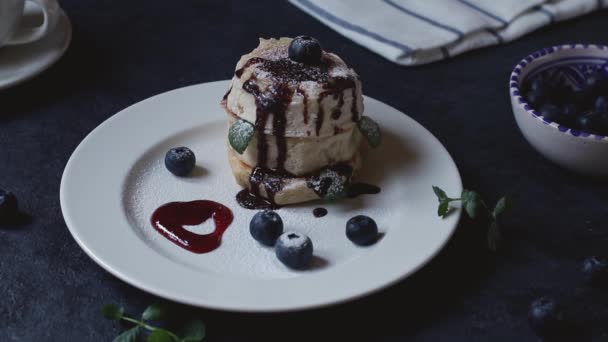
126 51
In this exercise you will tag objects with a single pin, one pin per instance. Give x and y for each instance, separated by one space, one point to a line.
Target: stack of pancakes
305 123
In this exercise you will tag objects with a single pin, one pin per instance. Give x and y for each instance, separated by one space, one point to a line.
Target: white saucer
22 62
116 178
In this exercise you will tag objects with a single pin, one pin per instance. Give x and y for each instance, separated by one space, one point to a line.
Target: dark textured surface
126 51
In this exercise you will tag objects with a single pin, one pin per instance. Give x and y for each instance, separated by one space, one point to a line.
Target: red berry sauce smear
169 220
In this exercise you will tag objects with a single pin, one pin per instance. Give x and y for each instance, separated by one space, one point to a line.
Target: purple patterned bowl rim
515 81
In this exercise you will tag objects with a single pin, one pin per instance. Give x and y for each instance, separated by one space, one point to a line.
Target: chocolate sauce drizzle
302 93
274 101
335 87
353 106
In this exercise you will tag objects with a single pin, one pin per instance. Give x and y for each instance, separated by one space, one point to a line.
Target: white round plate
22 62
116 178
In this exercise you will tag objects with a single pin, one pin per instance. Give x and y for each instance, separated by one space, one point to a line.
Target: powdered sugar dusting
149 185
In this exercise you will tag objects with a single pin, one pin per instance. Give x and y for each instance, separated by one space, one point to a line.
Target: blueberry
180 161
582 97
266 227
588 122
595 270
535 99
596 80
569 114
550 112
601 104
537 84
560 94
545 317
603 124
294 250
305 49
362 230
9 207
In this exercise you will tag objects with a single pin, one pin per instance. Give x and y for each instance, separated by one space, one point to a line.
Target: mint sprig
240 134
475 207
193 331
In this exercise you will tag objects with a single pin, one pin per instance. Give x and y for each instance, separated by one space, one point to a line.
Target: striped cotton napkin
412 32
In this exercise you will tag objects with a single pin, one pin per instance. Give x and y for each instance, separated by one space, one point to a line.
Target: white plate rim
126 270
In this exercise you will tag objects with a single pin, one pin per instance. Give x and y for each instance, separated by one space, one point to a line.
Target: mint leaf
444 209
154 312
240 135
329 185
112 312
160 335
494 236
128 335
193 331
503 205
441 195
471 201
371 131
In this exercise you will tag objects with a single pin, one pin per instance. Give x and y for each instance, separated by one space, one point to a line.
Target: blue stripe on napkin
352 27
425 19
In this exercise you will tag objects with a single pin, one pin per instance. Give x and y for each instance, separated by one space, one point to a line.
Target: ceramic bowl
571 148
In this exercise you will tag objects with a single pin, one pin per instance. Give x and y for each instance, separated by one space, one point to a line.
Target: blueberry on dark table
545 317
9 207
294 250
305 49
550 112
266 227
180 161
362 230
595 270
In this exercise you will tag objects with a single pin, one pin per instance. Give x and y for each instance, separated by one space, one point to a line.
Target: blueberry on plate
180 161
266 227
601 104
294 250
362 230
305 49
595 270
550 112
545 317
9 207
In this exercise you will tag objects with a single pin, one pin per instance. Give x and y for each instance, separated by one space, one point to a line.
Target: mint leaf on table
154 312
474 206
493 236
471 202
370 130
128 335
240 135
503 205
112 312
193 331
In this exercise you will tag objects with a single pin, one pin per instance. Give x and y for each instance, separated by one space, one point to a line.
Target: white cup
11 12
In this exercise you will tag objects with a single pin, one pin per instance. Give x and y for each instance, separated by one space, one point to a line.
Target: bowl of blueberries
560 102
